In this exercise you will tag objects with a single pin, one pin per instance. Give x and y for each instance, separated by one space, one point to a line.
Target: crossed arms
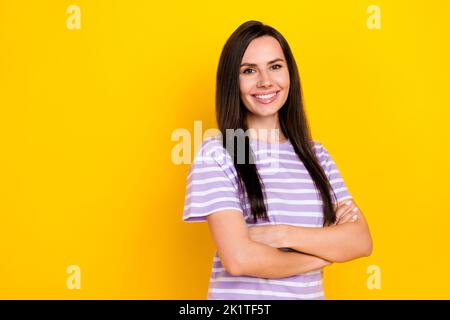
254 251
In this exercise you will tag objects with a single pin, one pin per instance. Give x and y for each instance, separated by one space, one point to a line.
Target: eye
275 66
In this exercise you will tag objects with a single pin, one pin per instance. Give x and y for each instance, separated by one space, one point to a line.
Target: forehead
262 49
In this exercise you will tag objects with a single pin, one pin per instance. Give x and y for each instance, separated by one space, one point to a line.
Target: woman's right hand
346 211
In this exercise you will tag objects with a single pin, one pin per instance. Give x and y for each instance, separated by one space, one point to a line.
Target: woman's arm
242 256
263 261
337 243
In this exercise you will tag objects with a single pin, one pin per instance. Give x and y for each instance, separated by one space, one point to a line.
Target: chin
268 113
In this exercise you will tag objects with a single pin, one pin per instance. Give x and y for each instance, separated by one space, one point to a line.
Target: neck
265 128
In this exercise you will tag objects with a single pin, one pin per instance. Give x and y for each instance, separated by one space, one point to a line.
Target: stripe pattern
290 198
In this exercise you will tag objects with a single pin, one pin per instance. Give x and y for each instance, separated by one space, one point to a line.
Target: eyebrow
254 65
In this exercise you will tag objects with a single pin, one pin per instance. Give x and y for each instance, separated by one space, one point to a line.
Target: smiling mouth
266 98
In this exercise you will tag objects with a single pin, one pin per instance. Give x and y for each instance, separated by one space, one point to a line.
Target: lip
267 92
266 101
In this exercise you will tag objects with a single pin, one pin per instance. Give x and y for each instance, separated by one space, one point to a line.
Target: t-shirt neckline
274 144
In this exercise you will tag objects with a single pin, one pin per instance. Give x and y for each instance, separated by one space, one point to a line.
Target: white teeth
266 96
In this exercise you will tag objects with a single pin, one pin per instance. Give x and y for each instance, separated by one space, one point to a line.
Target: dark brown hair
231 112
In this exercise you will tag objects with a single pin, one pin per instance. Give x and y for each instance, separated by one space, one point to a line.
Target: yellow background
87 115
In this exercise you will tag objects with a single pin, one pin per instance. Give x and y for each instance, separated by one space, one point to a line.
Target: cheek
245 86
283 80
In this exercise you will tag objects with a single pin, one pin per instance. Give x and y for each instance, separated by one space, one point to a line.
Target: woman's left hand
272 235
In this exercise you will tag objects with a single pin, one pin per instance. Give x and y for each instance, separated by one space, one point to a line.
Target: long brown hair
231 112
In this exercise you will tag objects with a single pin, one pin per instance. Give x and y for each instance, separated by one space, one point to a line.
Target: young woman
276 204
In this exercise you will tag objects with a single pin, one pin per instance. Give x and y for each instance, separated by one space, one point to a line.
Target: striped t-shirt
290 197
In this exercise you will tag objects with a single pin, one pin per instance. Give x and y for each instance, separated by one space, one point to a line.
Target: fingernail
348 203
355 209
355 217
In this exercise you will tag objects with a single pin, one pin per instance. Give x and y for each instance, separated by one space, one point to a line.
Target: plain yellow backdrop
86 118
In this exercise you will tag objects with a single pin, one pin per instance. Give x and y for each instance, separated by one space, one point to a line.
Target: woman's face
264 77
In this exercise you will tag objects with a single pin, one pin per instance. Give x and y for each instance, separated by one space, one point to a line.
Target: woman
277 219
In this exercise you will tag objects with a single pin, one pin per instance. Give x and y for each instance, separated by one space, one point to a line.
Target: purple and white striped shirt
290 197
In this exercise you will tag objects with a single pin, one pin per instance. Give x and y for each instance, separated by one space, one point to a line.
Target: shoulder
322 154
210 144
212 150
212 165
319 150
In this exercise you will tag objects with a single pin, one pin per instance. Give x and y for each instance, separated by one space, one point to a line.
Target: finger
345 211
344 208
350 216
344 218
339 204
336 205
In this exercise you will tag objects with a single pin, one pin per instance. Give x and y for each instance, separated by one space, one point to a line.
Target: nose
264 80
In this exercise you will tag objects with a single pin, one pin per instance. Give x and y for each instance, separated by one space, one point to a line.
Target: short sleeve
332 172
209 184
